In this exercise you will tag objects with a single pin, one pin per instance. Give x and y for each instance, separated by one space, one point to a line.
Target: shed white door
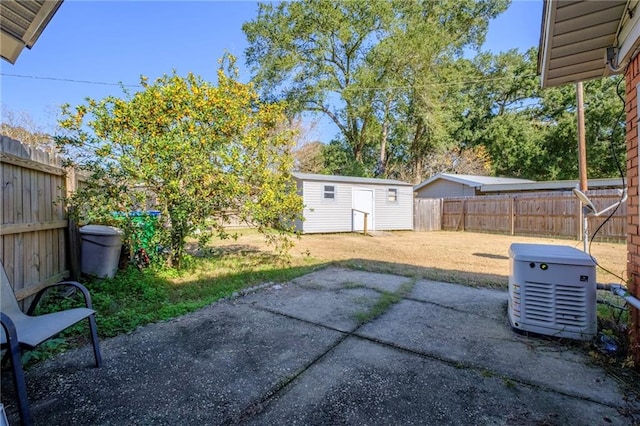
362 202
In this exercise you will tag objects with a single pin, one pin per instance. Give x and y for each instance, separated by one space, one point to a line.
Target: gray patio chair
20 330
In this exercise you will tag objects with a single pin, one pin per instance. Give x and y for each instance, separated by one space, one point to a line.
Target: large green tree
195 151
604 129
368 66
530 132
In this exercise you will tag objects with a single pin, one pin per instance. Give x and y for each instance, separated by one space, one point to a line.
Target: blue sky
117 41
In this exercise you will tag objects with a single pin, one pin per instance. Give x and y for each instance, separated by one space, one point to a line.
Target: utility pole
582 162
582 145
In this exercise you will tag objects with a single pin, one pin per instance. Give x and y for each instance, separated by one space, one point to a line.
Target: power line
69 80
435 84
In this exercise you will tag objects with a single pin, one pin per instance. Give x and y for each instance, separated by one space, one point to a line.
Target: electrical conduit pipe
621 291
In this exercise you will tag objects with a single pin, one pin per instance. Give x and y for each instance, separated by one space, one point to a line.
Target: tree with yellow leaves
202 152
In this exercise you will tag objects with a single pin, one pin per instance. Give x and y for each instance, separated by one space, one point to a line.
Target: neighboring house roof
575 36
503 184
473 181
552 185
348 179
21 23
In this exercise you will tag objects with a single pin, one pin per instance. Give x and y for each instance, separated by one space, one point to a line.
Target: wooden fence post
512 207
464 202
73 237
365 223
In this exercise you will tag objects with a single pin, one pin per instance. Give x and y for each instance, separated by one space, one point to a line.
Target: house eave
21 23
575 36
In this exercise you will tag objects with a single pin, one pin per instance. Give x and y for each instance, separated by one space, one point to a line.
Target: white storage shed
341 204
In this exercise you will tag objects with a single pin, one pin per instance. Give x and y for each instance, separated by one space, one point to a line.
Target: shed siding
321 215
326 215
443 188
392 216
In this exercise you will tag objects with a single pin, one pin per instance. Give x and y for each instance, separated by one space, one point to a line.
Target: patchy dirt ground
465 257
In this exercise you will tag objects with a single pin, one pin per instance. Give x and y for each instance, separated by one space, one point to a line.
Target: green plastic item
144 232
144 229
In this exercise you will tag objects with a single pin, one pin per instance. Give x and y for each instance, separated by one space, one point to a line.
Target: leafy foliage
309 158
195 152
532 133
369 67
604 128
392 78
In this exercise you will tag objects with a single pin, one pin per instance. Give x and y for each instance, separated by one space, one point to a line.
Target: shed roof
552 185
349 179
473 181
575 36
21 23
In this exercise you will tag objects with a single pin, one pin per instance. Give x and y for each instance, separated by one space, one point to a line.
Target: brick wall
632 79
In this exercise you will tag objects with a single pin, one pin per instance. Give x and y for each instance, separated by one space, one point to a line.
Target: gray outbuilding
443 185
343 203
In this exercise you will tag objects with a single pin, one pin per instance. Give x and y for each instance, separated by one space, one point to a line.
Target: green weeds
352 285
509 383
384 302
135 297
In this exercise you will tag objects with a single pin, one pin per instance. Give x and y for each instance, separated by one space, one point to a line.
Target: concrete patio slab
365 383
474 341
295 353
335 308
203 368
480 301
340 278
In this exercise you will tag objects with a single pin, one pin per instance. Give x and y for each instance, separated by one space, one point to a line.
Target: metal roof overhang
21 23
555 185
348 179
575 36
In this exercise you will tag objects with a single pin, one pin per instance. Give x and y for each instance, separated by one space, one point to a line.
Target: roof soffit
22 22
574 39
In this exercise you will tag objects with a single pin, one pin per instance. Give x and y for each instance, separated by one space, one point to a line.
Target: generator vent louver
552 291
555 304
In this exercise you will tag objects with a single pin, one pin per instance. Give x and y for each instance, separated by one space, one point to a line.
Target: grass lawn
134 298
458 257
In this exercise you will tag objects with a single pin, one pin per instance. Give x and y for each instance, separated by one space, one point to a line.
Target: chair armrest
83 289
11 335
9 327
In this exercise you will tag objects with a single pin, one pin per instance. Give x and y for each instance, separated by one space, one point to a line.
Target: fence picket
32 248
550 214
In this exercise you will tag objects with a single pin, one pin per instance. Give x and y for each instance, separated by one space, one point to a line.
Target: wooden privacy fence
427 214
34 243
557 214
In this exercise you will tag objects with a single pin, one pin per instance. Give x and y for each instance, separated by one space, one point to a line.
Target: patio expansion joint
258 406
269 396
451 308
481 369
425 302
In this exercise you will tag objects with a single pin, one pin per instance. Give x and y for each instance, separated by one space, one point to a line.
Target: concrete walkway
300 353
